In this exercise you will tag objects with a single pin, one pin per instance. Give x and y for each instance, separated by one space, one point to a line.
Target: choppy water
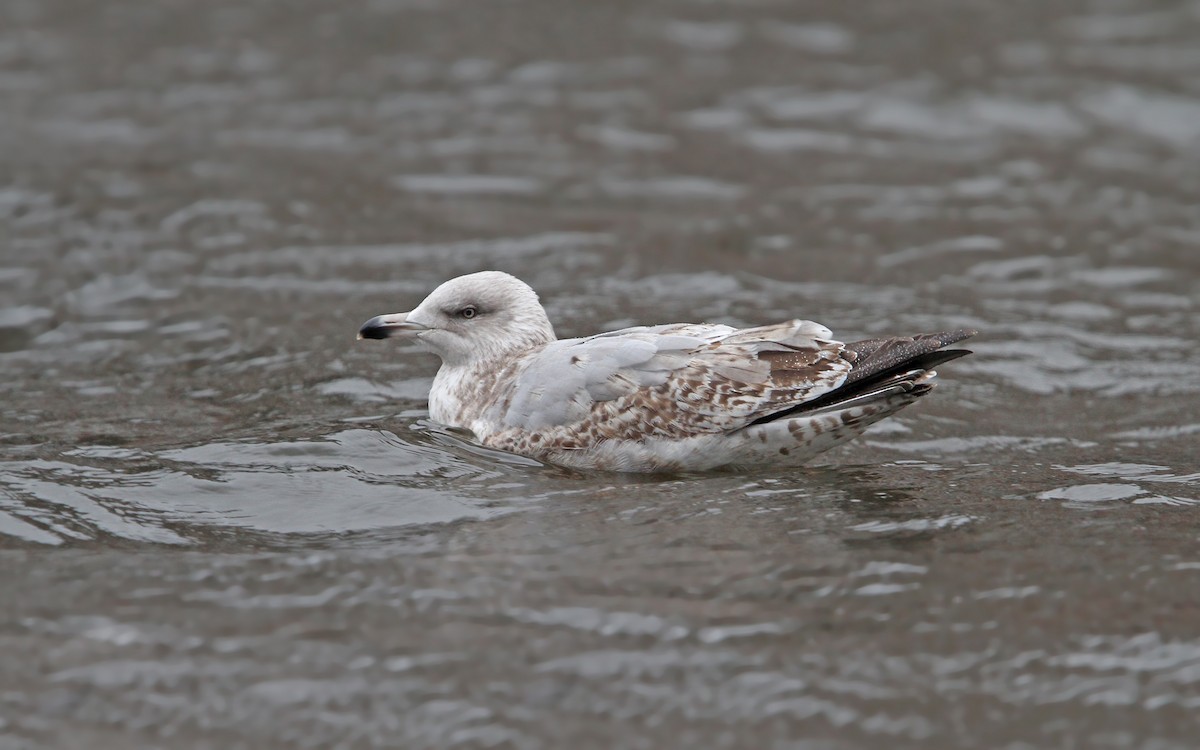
224 523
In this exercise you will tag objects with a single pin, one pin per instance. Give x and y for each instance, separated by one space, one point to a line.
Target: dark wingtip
952 337
875 358
875 361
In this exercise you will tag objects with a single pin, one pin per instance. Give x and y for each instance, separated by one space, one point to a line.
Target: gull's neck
463 392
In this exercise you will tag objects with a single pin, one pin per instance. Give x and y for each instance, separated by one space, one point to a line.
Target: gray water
224 523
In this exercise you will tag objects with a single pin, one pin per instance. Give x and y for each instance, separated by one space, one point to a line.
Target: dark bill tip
373 332
387 326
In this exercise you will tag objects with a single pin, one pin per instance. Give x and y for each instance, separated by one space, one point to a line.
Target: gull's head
470 318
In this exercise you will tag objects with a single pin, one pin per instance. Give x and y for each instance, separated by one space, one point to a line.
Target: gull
675 397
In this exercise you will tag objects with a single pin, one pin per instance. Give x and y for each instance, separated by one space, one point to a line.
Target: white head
470 319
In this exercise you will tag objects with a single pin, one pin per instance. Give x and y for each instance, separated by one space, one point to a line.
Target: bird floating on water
675 397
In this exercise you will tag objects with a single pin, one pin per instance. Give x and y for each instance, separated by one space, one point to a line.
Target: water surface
225 523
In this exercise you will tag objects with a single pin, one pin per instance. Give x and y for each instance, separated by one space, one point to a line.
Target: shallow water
227 524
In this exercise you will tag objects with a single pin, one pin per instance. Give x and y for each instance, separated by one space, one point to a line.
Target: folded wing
674 381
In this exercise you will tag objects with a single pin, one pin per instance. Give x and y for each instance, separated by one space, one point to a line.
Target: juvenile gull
682 396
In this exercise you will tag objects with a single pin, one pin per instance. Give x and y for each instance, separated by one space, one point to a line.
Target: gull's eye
468 312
